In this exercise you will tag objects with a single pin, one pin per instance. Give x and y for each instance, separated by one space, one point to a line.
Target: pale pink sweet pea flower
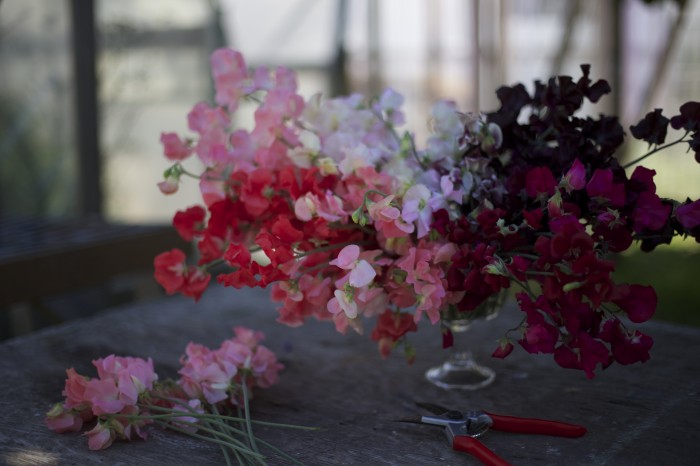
133 375
169 186
247 336
100 437
185 422
341 302
362 273
60 420
201 374
387 219
203 118
265 367
212 190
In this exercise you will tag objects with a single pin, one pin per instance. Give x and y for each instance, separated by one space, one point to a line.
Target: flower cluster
347 219
126 395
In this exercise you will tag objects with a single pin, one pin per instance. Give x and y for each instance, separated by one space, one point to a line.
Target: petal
362 274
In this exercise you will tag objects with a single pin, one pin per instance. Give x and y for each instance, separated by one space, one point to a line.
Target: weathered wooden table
640 415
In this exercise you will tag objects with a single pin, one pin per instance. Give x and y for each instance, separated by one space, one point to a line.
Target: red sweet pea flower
170 270
239 279
254 194
540 183
285 231
390 328
190 222
210 248
173 274
237 255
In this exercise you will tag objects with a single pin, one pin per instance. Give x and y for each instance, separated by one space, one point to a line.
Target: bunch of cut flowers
348 219
210 400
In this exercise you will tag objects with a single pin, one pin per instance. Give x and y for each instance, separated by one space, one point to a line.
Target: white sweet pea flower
304 155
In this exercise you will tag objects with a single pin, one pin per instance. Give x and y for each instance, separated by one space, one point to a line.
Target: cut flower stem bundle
210 401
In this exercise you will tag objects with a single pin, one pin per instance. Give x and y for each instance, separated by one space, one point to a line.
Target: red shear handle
522 425
478 450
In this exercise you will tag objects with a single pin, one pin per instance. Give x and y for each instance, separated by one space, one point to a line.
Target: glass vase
460 371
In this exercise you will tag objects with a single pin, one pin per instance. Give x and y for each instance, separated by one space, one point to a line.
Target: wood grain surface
638 415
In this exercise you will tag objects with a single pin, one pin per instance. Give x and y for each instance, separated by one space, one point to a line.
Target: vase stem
461 371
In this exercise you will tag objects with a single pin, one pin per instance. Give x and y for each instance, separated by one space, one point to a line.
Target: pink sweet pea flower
202 375
362 273
104 396
230 75
175 148
74 390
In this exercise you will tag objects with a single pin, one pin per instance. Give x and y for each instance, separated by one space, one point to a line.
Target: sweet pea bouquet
209 401
348 219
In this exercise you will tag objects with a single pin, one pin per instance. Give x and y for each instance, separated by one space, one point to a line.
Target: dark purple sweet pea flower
689 214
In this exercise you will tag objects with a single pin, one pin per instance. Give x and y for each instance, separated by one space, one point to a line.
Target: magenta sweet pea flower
651 213
601 186
575 178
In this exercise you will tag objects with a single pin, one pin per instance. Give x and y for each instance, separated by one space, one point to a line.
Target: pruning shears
464 427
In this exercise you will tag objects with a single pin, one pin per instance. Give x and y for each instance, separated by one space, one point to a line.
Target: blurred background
87 86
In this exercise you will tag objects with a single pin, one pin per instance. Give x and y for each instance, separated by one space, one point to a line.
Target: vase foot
461 375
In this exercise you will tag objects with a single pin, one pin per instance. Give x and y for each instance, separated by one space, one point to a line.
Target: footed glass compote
460 371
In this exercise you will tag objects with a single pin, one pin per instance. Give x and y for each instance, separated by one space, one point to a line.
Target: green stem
223 448
657 149
173 413
231 443
536 272
249 426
